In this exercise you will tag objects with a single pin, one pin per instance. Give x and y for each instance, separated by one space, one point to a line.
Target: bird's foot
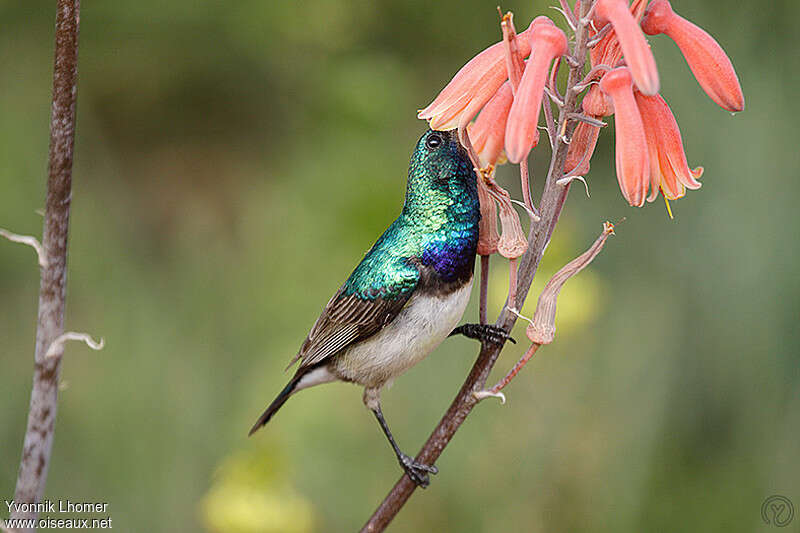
417 472
484 333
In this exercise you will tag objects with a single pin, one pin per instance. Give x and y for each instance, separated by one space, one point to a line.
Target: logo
777 510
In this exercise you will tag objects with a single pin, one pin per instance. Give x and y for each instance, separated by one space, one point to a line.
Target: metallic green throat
437 230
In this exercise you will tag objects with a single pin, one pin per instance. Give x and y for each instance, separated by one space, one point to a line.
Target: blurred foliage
251 494
233 163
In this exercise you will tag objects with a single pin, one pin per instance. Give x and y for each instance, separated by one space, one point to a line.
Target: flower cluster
504 86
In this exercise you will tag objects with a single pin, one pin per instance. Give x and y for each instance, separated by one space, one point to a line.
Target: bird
406 295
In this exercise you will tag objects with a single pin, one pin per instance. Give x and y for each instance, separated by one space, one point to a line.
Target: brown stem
515 370
524 178
483 312
553 198
512 280
52 289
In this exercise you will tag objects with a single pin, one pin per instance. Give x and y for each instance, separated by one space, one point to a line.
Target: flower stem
483 313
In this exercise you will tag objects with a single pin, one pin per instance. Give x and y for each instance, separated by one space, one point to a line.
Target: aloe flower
708 61
608 52
634 46
472 86
548 43
633 165
488 132
669 170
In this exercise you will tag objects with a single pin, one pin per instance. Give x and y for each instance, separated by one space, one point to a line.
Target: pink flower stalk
669 170
708 61
632 41
472 86
633 165
487 133
548 43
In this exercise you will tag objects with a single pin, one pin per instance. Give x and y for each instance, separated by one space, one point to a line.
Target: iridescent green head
440 174
437 230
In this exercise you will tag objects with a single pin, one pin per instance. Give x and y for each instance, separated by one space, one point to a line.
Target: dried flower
542 328
487 227
633 166
512 242
669 170
708 61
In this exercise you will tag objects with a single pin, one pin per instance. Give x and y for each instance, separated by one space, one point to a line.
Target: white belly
417 330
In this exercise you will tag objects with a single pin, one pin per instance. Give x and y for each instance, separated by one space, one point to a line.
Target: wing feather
347 319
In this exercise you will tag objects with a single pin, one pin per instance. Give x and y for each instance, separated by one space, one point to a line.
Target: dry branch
52 289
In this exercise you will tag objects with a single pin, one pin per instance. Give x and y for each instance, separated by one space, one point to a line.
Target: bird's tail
277 403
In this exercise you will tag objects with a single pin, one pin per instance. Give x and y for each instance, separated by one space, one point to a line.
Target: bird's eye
434 140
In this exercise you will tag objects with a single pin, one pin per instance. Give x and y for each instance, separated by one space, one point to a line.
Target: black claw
417 472
484 333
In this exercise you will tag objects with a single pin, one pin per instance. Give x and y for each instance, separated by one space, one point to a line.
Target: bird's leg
416 471
484 333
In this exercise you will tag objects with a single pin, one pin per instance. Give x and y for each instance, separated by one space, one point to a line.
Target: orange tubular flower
548 43
608 52
631 39
669 170
488 132
708 61
472 86
633 165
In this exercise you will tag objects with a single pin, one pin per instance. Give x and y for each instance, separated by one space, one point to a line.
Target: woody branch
38 440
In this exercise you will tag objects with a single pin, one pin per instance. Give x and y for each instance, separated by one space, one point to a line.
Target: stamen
669 209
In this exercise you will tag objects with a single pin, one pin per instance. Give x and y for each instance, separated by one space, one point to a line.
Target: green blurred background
233 162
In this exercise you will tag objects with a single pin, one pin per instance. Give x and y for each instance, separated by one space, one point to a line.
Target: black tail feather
276 404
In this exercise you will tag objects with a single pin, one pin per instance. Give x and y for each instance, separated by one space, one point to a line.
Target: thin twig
524 178
552 81
555 98
33 242
553 198
551 125
38 441
594 41
580 117
56 349
500 385
568 15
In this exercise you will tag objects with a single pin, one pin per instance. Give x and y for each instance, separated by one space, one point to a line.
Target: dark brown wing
345 320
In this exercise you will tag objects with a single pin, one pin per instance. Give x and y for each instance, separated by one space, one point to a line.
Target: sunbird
406 295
